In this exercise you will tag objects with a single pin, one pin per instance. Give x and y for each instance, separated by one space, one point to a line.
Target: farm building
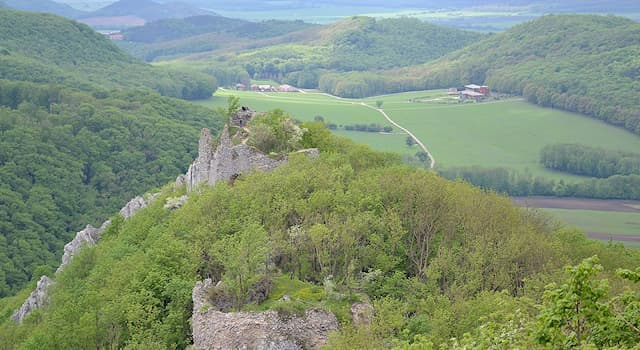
263 88
482 89
241 87
287 88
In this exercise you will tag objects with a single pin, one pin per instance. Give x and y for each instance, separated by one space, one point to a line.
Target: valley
406 175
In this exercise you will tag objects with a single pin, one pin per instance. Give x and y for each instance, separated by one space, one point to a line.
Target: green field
614 222
507 133
611 222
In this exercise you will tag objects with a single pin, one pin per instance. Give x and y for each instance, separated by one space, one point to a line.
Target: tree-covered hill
48 6
46 48
583 63
178 28
81 133
436 259
148 9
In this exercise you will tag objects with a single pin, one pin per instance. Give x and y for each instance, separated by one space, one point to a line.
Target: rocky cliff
227 161
256 330
37 299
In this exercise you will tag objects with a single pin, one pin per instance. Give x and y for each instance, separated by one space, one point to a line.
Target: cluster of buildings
472 91
267 88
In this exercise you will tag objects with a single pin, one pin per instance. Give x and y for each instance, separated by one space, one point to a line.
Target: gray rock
362 314
228 161
213 329
37 299
134 205
89 236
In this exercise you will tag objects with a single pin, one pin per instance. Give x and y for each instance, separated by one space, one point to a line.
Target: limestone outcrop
256 330
89 236
227 161
37 299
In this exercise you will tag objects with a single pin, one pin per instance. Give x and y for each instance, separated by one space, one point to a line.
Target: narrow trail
432 160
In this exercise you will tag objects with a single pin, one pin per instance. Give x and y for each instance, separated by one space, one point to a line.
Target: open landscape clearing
505 133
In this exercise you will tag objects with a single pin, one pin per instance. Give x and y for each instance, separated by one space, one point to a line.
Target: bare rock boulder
213 329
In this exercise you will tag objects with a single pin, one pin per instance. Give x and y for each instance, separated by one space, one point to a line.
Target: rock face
256 330
89 236
136 204
37 299
227 161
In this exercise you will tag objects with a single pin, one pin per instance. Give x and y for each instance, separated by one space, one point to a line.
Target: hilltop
48 6
147 9
580 63
427 259
65 52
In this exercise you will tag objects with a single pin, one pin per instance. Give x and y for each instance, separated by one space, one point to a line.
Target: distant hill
178 28
48 6
148 10
41 48
582 63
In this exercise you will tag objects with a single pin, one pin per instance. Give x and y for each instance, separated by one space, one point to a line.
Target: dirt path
432 160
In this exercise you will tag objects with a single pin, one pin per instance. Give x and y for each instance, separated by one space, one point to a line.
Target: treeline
523 184
68 158
589 161
436 259
45 48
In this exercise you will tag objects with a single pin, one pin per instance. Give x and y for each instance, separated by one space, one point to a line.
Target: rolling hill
66 52
48 6
148 10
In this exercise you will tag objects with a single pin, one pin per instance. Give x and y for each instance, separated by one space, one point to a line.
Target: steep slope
48 6
580 63
75 142
66 52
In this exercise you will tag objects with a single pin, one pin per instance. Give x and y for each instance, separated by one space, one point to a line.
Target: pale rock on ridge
37 299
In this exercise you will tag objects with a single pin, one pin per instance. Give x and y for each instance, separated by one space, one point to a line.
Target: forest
80 136
444 264
64 52
589 161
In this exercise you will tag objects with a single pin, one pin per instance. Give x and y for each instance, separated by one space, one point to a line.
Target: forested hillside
297 53
436 260
583 63
49 49
76 142
48 6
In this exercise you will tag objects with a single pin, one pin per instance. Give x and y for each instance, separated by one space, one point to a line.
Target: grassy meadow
506 133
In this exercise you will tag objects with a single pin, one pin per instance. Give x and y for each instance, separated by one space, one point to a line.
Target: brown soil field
614 237
578 203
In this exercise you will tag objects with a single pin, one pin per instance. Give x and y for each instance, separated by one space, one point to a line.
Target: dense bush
589 161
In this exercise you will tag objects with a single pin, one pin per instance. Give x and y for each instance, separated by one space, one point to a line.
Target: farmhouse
482 89
263 88
241 87
287 88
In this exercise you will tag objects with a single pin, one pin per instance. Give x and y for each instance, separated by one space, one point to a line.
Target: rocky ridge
228 161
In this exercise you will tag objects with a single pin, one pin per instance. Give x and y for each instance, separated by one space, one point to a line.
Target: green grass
307 106
613 222
508 133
